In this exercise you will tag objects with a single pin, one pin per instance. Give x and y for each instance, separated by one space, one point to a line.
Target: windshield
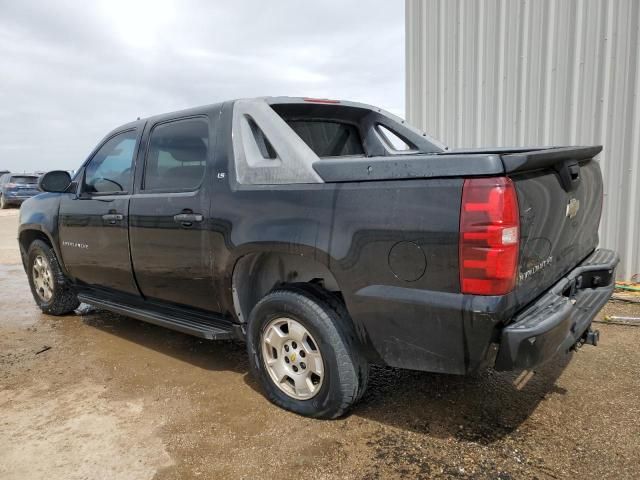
24 180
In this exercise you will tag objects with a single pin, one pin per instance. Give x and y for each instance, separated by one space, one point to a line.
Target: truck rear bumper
558 319
455 333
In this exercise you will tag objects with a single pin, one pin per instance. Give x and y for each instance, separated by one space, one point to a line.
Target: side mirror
56 181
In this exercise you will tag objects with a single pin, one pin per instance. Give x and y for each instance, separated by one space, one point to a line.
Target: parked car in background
16 188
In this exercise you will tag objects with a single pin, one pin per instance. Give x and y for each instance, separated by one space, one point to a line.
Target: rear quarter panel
371 217
407 321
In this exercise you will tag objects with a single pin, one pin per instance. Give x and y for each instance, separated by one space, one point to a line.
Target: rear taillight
12 185
489 236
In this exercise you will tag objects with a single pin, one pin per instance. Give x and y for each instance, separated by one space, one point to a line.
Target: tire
328 328
3 204
51 291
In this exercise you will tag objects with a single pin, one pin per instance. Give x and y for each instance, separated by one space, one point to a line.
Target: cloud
72 71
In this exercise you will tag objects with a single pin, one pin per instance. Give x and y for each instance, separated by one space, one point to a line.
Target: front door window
110 170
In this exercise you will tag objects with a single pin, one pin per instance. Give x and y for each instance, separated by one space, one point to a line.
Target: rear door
94 238
170 251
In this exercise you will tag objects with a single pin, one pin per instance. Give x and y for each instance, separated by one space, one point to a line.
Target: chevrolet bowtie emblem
293 357
572 207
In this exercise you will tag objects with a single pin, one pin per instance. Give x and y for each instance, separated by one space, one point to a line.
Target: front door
170 250
94 237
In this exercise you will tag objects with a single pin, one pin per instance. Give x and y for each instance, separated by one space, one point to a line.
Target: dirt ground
95 395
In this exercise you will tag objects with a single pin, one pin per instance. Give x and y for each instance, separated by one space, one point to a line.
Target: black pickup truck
328 235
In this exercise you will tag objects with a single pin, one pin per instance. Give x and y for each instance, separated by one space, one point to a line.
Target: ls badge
572 207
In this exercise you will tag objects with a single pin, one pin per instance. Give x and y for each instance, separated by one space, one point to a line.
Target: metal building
536 72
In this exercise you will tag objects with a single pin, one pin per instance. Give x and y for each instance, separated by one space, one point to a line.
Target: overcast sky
70 71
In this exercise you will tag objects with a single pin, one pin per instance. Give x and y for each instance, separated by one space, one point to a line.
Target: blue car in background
16 188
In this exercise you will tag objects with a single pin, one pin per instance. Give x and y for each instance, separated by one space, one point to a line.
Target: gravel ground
95 395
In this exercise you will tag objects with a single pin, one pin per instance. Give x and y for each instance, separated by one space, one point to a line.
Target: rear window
24 180
328 138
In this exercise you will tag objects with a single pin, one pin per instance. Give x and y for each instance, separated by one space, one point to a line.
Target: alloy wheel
42 278
292 357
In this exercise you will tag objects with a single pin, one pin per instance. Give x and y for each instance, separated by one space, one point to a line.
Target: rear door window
177 155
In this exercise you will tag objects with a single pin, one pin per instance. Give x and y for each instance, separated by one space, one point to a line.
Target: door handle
187 218
112 218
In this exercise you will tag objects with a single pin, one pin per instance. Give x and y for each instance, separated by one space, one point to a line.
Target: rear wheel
50 288
3 202
304 354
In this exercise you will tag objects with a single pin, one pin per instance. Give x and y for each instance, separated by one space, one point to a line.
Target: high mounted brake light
320 100
489 236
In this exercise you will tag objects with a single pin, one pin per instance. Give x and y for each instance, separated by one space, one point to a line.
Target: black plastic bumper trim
558 319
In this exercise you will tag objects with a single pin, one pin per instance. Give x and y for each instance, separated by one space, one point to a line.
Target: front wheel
50 288
303 352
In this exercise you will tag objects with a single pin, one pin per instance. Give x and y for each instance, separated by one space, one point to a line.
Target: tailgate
560 200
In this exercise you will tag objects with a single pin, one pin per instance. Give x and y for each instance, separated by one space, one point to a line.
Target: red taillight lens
12 185
489 236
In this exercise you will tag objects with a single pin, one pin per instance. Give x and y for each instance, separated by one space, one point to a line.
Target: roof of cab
199 110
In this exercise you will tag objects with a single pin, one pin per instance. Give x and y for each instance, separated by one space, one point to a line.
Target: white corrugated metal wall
536 72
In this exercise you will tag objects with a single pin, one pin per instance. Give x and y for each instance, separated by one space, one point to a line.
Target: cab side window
111 168
177 155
